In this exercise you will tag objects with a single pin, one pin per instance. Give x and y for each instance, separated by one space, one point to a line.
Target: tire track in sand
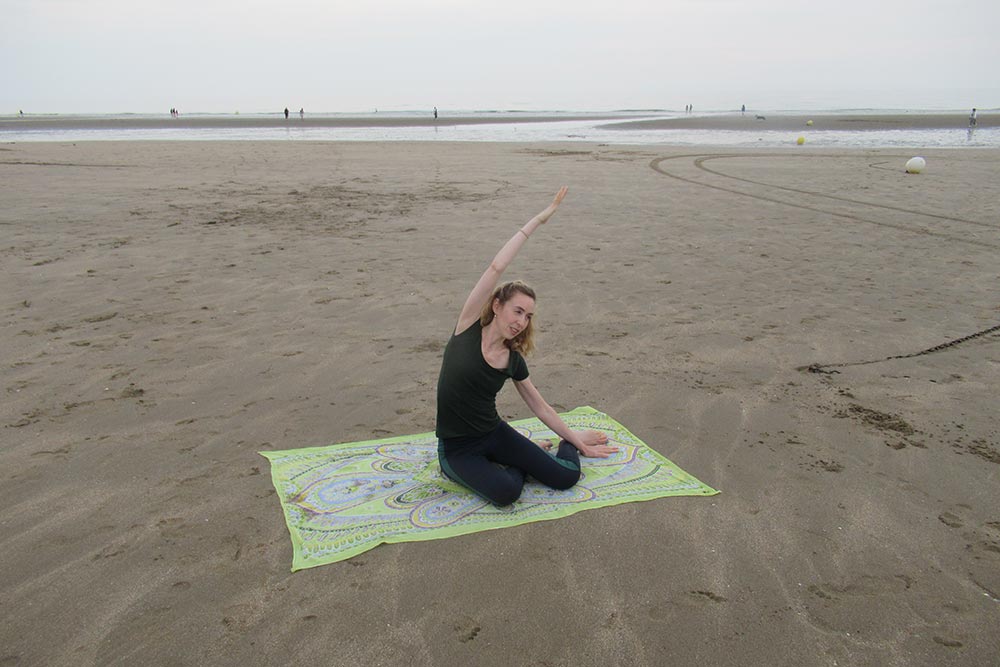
700 158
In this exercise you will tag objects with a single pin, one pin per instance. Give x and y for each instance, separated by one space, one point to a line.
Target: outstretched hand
544 216
597 451
595 444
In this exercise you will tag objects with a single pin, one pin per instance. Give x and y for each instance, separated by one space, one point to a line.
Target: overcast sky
73 56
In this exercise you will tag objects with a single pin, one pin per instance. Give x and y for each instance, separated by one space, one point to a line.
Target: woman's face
513 316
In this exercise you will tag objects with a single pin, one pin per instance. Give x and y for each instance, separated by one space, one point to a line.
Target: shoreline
821 121
614 121
250 121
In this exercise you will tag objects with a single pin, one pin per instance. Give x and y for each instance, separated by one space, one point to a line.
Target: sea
582 127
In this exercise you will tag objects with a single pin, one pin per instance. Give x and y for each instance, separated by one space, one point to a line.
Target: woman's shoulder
518 366
472 329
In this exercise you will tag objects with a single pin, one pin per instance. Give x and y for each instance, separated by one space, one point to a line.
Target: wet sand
170 309
250 121
771 121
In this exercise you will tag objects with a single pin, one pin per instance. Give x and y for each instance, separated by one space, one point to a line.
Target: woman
494 332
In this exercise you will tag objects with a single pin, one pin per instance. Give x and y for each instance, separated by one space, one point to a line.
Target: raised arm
488 281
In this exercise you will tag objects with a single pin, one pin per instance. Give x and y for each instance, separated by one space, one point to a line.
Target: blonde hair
524 342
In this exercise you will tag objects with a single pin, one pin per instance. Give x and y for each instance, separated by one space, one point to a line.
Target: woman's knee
569 466
500 487
566 479
504 496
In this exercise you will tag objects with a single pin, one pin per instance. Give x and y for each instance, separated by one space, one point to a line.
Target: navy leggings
494 465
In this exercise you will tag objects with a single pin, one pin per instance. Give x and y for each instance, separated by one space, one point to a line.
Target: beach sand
170 309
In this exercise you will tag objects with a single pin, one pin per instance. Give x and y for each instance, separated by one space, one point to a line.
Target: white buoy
915 165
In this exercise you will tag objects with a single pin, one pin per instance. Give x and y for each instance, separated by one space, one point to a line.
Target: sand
170 309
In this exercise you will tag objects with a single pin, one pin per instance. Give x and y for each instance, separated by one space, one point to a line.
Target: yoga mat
342 500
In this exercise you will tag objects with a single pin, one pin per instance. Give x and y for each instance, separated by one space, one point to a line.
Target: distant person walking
302 112
743 110
435 113
286 113
972 118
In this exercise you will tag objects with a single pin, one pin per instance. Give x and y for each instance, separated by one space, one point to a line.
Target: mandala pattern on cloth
342 500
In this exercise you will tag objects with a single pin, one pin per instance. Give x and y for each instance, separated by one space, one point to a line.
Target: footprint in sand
950 643
467 630
708 595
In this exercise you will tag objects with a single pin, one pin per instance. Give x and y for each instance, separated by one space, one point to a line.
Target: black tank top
468 386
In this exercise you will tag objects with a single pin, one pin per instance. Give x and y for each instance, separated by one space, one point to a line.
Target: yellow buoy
809 123
800 141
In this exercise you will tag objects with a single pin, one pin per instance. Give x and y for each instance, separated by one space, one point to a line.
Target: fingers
601 451
593 437
544 216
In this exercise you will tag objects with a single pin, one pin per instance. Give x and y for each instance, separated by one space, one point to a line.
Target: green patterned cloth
342 500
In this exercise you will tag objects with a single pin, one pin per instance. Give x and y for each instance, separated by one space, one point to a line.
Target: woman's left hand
597 451
595 444
592 437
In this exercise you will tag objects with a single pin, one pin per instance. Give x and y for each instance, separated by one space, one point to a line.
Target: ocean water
586 130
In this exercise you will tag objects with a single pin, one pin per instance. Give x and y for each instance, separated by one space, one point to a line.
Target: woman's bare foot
544 444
